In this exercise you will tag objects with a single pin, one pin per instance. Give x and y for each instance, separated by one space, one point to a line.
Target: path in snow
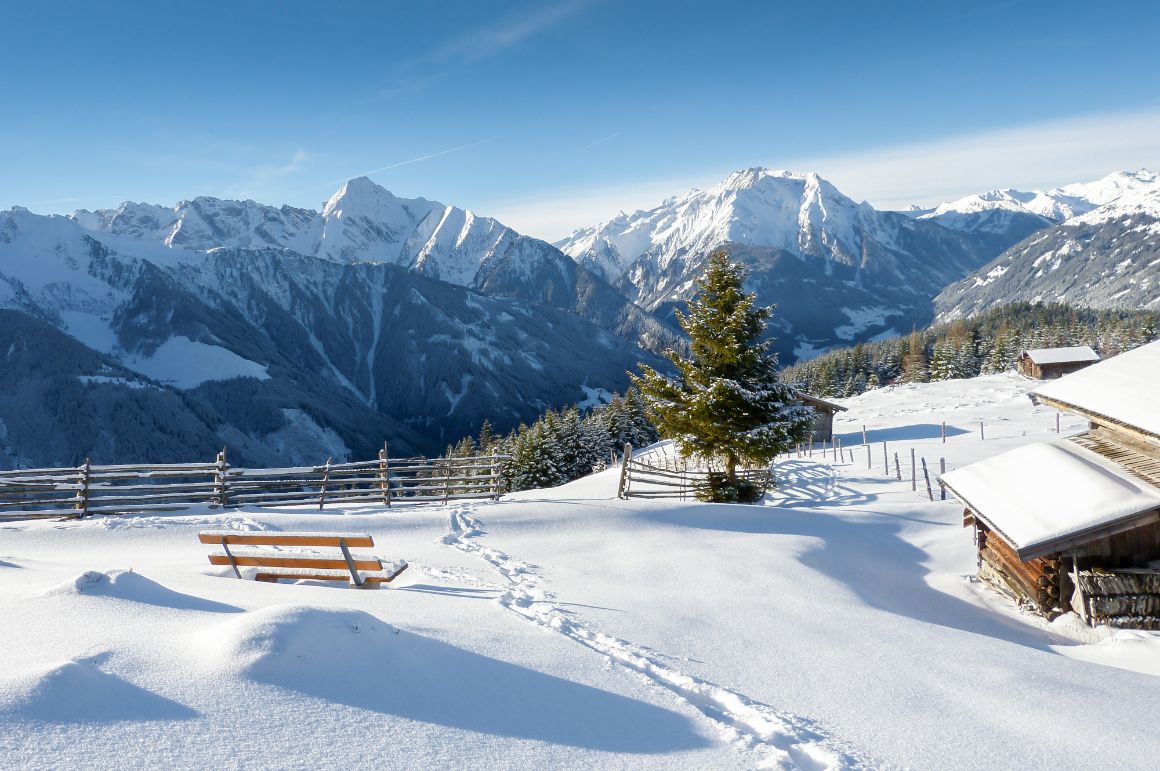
783 741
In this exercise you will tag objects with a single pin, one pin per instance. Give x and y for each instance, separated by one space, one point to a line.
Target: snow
862 319
1057 204
593 397
185 363
1040 493
1069 354
1122 388
1137 205
798 212
833 627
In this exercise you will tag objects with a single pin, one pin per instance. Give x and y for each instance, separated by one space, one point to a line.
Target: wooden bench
301 556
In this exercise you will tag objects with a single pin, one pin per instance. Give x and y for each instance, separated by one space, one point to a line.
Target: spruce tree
725 404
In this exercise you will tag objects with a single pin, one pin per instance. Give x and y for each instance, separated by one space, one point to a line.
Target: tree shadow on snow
869 556
805 484
420 678
898 434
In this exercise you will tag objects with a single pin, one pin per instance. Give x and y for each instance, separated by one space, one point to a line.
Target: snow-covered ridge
801 213
1142 205
361 222
1056 205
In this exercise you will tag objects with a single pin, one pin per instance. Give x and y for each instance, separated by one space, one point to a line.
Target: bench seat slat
260 538
290 560
384 577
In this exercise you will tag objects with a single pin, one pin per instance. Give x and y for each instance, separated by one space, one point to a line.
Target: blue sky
553 115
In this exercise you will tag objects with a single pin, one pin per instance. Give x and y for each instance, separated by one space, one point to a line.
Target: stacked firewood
1123 599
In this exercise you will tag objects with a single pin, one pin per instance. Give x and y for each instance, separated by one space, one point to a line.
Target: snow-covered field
836 626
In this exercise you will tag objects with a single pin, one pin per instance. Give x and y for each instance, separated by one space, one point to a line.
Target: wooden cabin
824 411
1050 363
1074 524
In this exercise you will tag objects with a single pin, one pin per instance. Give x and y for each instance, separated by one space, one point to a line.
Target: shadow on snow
868 556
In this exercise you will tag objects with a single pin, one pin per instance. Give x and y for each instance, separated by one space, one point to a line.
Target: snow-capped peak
1111 187
799 212
359 197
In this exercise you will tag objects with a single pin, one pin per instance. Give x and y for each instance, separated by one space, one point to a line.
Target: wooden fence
88 489
664 475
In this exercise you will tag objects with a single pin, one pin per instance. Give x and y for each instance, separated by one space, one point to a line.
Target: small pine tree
487 438
914 362
726 402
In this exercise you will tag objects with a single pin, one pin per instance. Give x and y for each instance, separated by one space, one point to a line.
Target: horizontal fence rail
664 475
52 493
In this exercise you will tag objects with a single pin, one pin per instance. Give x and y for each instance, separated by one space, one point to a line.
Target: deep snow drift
836 626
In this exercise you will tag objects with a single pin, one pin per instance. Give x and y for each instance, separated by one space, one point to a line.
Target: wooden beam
286 560
285 539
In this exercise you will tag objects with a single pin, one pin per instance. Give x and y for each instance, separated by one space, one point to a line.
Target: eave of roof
1051 496
819 400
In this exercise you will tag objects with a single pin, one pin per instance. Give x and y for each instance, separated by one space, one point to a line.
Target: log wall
1036 582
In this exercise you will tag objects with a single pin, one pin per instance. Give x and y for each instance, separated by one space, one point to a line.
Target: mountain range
262 343
147 332
1106 257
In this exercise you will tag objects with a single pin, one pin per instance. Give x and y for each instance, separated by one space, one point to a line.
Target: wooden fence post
495 475
221 493
981 437
944 432
897 468
447 481
942 469
864 434
811 450
385 475
325 480
885 460
913 475
1057 422
926 475
622 488
82 498
868 462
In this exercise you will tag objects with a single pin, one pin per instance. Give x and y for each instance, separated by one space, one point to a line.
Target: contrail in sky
400 163
601 141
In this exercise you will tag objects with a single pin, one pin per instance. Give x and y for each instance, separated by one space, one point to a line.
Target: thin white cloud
487 41
553 216
476 45
1040 155
260 179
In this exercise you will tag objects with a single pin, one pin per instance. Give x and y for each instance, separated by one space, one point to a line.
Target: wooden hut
1074 524
824 411
1050 363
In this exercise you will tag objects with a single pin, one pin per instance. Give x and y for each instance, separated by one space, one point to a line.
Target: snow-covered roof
1122 388
1043 497
1062 355
817 400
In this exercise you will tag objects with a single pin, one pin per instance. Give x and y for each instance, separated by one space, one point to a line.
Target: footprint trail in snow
782 740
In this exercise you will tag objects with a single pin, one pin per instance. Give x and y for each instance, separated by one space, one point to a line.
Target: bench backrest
234 538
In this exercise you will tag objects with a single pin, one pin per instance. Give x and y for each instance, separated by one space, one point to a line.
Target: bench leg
354 574
233 562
